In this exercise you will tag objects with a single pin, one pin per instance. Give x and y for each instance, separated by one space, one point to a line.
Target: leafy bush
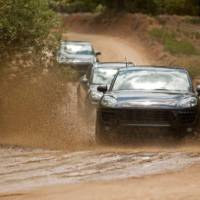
24 24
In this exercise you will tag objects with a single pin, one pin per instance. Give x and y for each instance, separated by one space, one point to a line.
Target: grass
194 20
180 47
171 44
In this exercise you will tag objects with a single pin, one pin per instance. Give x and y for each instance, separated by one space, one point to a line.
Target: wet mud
22 169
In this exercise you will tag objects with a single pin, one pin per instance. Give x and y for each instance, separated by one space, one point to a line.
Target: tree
24 23
114 4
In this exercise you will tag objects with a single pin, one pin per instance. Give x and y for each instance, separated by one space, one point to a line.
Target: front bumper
80 67
122 119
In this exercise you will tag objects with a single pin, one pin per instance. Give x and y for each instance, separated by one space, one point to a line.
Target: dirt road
96 172
113 48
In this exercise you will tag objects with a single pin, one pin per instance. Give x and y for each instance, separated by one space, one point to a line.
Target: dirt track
22 169
113 48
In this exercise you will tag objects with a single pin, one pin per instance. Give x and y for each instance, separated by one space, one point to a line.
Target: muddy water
27 168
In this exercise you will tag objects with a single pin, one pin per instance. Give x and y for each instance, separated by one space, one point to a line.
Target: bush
24 24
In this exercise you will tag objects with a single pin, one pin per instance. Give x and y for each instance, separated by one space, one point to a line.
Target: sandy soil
92 172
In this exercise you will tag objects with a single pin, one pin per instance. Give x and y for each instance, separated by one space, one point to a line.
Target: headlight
108 101
95 96
189 102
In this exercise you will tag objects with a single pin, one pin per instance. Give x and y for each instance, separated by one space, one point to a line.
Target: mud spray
38 109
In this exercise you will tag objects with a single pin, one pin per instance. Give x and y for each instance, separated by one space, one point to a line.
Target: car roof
113 65
76 42
151 67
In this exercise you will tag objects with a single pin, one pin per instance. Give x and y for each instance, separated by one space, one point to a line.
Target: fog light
189 130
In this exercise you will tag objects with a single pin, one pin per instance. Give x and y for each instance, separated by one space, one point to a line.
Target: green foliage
24 23
193 20
171 44
73 6
180 47
180 7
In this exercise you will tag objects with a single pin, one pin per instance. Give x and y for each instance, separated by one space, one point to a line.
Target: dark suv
147 97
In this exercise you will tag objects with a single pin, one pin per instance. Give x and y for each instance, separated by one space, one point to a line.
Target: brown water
22 169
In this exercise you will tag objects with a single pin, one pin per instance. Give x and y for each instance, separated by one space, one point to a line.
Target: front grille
187 116
139 116
146 116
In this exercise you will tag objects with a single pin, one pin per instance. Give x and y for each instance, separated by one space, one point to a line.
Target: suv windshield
79 49
103 76
149 80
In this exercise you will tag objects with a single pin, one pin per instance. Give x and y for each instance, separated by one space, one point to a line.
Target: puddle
30 168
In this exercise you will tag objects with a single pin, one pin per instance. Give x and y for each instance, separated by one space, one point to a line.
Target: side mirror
198 89
98 53
102 88
83 79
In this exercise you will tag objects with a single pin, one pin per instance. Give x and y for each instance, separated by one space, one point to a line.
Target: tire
100 136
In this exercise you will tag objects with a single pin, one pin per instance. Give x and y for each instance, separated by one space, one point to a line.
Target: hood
149 99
